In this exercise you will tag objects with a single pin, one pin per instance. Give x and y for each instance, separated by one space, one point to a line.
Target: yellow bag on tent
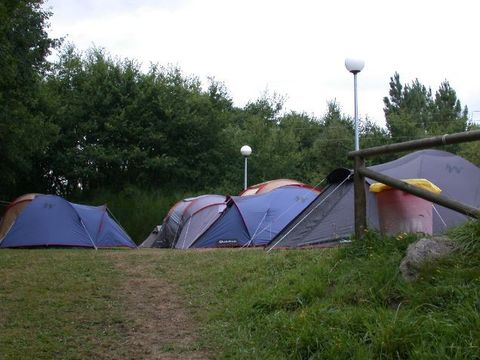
421 183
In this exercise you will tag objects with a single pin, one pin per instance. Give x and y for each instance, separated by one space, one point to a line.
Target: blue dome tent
252 220
50 220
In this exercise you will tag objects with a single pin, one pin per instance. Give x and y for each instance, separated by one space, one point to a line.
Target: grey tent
330 217
152 239
180 214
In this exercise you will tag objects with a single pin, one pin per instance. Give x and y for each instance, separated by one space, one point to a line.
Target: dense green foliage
413 112
90 123
25 130
339 303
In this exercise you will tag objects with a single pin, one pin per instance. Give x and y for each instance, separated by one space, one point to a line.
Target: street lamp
246 151
355 66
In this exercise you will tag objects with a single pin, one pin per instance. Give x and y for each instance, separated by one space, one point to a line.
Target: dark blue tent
252 220
50 220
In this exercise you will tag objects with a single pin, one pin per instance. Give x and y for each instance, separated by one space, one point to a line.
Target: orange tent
12 211
273 184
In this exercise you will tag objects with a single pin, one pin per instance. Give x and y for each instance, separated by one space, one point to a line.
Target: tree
408 111
330 150
268 107
111 123
373 135
394 102
412 112
448 116
471 150
121 127
25 130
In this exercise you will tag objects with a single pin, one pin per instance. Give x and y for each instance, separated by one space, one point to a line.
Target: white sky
296 48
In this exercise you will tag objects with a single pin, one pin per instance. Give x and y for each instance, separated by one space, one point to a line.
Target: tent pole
107 210
93 243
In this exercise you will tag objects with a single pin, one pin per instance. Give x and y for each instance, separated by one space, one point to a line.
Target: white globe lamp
355 66
246 151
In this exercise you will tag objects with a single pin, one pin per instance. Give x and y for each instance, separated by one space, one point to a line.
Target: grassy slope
347 303
332 303
57 304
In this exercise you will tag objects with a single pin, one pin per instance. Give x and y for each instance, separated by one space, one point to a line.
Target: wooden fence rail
360 172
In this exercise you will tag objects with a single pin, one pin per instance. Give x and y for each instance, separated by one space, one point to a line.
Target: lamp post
355 66
246 151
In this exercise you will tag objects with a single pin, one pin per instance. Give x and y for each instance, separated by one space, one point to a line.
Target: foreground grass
345 303
57 304
337 303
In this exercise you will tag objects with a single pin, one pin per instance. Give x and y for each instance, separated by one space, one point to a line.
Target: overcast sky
294 48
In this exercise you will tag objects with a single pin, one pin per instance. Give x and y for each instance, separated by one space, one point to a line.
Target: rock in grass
421 251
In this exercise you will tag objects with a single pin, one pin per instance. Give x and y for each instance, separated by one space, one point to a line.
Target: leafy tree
408 111
268 107
412 112
471 150
25 130
194 129
276 151
330 150
96 99
373 135
278 141
120 126
448 116
306 130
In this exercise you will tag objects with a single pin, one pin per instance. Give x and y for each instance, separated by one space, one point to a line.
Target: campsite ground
93 304
161 322
338 303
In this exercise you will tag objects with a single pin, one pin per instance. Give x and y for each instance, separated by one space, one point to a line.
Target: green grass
335 303
57 304
343 303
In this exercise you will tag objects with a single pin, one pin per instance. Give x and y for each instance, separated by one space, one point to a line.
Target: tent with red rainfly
50 220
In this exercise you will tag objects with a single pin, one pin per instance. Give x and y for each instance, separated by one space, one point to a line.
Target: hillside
348 302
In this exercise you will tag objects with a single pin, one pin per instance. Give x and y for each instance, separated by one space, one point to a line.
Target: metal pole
360 200
245 182
357 143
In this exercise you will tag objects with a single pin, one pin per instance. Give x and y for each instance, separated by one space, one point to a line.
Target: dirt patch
160 323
